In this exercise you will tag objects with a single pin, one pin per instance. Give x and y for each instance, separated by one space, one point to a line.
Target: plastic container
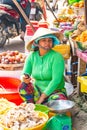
63 49
42 108
50 114
9 89
73 1
83 83
82 55
43 24
45 109
59 122
29 31
38 127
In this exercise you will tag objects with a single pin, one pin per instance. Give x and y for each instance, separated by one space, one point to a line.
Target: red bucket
9 89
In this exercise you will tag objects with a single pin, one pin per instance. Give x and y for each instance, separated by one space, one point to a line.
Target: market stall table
82 61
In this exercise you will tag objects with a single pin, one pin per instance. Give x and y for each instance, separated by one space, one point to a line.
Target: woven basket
11 66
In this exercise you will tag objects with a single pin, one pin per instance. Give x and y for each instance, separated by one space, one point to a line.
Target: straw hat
41 32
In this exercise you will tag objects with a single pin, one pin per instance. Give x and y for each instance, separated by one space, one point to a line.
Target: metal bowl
60 106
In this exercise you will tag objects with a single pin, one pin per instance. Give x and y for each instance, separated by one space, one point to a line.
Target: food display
65 19
5 105
12 57
78 7
79 36
22 117
79 29
81 41
11 60
78 4
66 15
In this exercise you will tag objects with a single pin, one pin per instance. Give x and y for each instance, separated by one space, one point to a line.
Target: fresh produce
66 18
12 57
80 28
82 37
81 40
67 33
79 4
81 45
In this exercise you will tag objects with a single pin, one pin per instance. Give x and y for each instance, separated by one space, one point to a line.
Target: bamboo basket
11 66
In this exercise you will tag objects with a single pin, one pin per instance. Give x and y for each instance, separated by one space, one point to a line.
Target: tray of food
12 60
60 106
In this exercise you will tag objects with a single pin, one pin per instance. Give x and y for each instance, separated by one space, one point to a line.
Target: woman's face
46 43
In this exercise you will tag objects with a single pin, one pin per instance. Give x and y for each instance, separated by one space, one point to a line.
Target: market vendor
45 66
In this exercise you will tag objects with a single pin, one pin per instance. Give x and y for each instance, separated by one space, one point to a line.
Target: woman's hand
41 99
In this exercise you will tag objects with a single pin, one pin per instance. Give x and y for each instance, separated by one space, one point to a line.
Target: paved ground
14 44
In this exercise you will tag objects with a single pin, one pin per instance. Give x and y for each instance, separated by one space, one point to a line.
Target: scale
60 121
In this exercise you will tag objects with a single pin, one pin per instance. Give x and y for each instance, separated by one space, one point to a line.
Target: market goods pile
21 117
69 15
5 105
65 19
12 60
80 28
79 36
78 4
12 57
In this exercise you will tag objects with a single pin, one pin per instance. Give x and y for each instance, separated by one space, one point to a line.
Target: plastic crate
83 83
63 49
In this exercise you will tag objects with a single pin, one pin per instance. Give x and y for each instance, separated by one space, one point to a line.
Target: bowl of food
23 117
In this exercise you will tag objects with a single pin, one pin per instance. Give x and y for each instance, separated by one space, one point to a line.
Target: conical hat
41 32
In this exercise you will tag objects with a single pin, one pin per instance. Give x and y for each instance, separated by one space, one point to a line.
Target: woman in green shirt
46 67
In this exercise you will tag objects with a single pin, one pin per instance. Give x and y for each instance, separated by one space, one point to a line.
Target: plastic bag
69 88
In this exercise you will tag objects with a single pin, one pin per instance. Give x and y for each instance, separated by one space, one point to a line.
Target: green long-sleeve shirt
47 70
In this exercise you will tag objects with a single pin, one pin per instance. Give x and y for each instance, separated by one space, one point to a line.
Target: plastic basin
9 89
42 108
38 127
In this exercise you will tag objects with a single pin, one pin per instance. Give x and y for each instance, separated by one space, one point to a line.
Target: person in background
36 11
45 66
26 6
43 6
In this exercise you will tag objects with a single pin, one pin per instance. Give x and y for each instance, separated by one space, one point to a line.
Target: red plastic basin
9 89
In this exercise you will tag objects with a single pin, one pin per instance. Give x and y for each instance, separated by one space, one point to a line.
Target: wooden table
82 61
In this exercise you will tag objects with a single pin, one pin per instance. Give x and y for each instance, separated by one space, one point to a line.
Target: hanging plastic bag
69 88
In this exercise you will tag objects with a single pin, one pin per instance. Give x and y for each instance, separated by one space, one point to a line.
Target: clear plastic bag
69 88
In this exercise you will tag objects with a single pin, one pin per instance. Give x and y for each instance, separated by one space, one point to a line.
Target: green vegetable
81 46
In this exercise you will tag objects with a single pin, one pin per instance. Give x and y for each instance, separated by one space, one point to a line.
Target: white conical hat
41 32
